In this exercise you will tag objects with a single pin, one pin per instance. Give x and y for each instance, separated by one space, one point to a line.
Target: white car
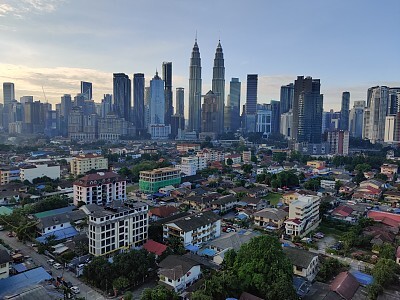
57 266
75 290
50 261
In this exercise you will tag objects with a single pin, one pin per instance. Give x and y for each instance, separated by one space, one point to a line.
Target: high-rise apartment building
357 119
84 163
344 112
195 90
86 90
338 141
375 113
167 77
138 100
122 96
251 102
287 96
8 92
210 114
307 110
218 86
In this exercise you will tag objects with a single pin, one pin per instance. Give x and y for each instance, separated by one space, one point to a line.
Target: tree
156 232
364 167
384 272
374 290
338 185
279 157
119 284
247 168
176 245
330 267
229 161
159 293
313 184
387 251
128 295
381 176
229 259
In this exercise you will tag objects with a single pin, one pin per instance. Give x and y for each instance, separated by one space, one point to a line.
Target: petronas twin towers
218 88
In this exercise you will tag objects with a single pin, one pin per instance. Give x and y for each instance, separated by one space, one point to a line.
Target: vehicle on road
57 266
10 234
75 290
1 227
50 261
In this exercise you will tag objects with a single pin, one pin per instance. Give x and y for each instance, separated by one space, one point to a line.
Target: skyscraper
167 77
275 116
210 114
375 113
357 119
251 102
8 92
344 112
138 100
218 86
157 100
307 110
394 97
122 95
195 90
86 90
106 105
233 103
66 104
79 100
180 101
287 95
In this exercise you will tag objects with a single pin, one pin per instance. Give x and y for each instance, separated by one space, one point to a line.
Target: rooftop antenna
196 37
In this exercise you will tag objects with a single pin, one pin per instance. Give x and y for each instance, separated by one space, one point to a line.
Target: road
41 260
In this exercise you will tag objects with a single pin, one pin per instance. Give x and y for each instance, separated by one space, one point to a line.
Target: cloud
20 8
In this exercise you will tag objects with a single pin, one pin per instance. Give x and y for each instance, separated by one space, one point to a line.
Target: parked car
50 261
57 266
75 290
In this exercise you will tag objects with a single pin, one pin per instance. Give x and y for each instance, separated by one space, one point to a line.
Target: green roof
5 210
54 212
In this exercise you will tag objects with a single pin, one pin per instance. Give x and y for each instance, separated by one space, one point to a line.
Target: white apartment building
303 215
328 184
188 147
5 260
190 165
120 226
236 158
390 127
211 155
83 163
100 188
39 170
246 155
195 229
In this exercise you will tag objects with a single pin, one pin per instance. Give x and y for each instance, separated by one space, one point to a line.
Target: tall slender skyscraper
122 96
345 111
8 92
287 95
180 101
394 97
167 77
357 119
251 102
307 110
86 90
157 101
106 105
195 90
234 103
218 86
138 100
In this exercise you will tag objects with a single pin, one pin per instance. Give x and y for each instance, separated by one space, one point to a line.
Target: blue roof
242 216
159 195
396 210
20 268
41 187
208 252
59 234
13 284
362 278
192 248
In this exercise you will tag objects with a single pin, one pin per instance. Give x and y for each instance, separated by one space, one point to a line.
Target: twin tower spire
195 94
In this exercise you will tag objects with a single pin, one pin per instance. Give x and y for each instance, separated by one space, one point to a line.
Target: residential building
218 88
162 212
210 114
211 155
8 174
106 105
328 184
152 181
246 156
375 114
154 247
188 147
271 218
100 188
236 158
194 229
286 124
122 96
344 112
251 103
116 227
357 119
390 129
191 164
5 260
39 170
264 120
83 163
50 224
316 164
179 272
195 90
224 204
338 141
113 128
390 170
305 263
303 216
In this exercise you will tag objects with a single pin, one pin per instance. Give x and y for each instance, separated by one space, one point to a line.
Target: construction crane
44 94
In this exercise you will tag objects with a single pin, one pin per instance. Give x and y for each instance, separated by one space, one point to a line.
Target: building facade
138 101
152 181
39 170
218 87
195 90
122 96
83 163
344 112
167 77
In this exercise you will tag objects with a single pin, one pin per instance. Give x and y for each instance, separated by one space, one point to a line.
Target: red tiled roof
386 218
345 284
296 221
343 210
163 211
98 178
154 247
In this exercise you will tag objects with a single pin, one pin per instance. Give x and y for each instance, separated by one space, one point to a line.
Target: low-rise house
194 229
316 164
345 285
224 203
347 188
5 260
154 247
290 196
368 190
50 224
386 218
342 212
344 178
389 170
257 191
254 204
391 196
328 184
178 272
369 175
161 212
305 263
272 218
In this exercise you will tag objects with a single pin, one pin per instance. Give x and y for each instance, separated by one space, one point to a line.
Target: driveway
325 243
41 260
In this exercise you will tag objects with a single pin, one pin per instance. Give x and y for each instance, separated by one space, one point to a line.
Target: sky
54 44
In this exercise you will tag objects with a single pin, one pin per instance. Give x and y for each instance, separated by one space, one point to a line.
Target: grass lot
273 198
329 230
132 188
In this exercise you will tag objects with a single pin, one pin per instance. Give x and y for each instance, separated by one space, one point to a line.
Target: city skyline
55 45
